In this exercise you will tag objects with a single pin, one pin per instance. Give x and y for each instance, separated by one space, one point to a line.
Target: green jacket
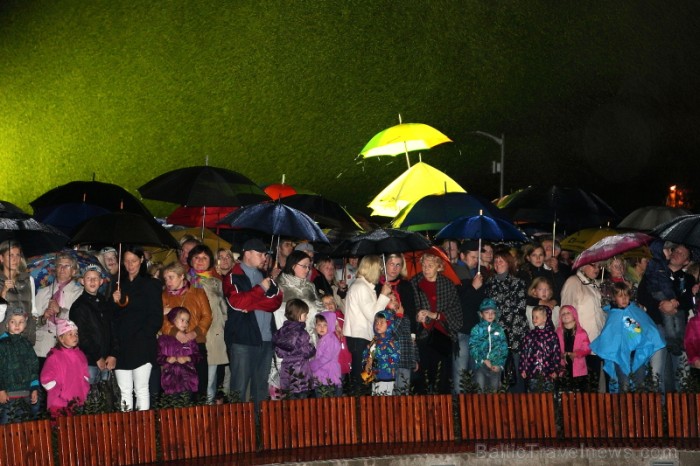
19 366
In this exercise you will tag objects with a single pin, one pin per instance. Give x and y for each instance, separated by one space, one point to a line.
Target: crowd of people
289 323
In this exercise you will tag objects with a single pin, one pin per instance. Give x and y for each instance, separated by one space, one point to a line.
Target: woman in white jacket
361 303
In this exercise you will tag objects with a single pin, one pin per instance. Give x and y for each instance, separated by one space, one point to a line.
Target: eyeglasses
64 266
307 267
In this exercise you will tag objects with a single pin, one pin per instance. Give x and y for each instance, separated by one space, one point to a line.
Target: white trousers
135 382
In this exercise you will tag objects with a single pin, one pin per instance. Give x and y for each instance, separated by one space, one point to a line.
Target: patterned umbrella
612 246
42 268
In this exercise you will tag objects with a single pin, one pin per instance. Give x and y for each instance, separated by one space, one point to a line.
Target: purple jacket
293 345
325 367
175 377
65 378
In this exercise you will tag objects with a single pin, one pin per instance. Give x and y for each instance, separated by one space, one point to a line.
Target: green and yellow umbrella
402 139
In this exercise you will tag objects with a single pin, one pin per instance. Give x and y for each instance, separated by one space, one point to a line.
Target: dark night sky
601 95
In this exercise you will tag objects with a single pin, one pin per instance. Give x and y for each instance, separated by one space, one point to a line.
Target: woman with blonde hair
361 304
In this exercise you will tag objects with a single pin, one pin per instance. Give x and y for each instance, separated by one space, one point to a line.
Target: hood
489 303
331 319
390 322
548 324
574 314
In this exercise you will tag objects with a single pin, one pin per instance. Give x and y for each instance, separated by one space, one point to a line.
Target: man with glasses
252 298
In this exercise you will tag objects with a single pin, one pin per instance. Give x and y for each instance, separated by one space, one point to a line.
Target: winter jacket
293 344
65 377
325 366
539 352
488 341
584 294
19 366
300 288
692 339
23 294
509 294
361 304
136 325
212 286
243 298
176 377
196 301
384 350
46 331
582 346
93 316
627 330
447 305
406 325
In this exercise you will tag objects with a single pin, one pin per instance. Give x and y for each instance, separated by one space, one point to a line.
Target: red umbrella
279 190
612 246
413 265
195 216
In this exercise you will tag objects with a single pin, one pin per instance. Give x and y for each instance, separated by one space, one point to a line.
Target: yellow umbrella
418 181
402 139
584 239
211 239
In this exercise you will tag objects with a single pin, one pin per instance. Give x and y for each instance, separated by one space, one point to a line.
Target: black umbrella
35 237
106 195
327 213
9 210
572 208
124 227
682 230
203 186
381 241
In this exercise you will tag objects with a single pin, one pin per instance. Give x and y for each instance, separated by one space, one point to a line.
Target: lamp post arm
501 142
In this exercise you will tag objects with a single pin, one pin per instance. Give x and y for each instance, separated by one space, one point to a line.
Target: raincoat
325 366
582 345
539 351
293 344
384 350
65 378
488 341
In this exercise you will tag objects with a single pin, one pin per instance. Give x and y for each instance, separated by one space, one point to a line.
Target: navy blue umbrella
67 217
277 219
481 227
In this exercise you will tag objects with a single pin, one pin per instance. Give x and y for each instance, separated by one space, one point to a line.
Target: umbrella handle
124 301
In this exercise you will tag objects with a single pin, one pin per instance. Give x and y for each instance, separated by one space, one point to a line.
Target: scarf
196 276
180 291
394 288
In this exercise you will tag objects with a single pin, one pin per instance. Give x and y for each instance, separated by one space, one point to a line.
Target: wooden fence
186 433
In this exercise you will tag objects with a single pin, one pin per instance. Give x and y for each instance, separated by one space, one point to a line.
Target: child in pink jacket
65 373
575 346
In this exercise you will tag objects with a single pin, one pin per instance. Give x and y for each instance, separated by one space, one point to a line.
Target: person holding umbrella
361 304
137 310
16 287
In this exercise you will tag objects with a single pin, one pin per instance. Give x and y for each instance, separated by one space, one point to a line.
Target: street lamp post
501 142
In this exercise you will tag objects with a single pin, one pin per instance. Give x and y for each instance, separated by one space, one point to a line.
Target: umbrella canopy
124 227
35 237
434 211
612 246
107 195
483 228
198 216
279 190
203 186
327 213
418 181
67 217
584 239
42 268
211 239
278 219
381 241
682 230
572 208
649 217
402 139
9 210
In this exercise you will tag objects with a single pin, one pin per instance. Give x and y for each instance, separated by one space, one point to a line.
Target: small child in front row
65 375
325 366
344 357
575 346
177 360
540 356
381 357
293 344
627 342
19 367
488 348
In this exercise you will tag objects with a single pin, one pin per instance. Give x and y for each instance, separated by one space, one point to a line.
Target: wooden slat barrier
612 416
308 423
107 439
26 443
501 416
683 415
202 431
406 419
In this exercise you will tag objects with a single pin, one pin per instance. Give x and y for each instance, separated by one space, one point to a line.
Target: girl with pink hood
575 346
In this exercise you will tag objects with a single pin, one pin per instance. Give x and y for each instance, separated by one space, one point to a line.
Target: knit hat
64 326
488 304
306 247
108 250
93 268
15 309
